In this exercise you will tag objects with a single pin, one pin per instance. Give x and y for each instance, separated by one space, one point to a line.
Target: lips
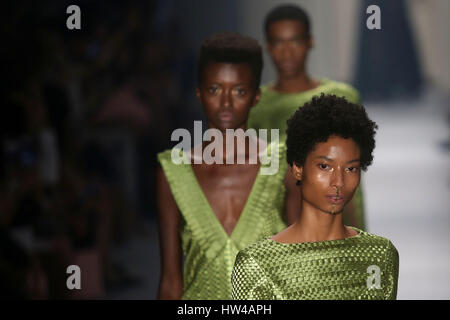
335 199
225 116
287 65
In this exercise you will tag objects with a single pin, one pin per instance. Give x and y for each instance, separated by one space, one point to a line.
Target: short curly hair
287 12
231 47
326 116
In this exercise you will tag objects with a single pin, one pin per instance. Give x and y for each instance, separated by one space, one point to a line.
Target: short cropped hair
231 47
287 12
326 116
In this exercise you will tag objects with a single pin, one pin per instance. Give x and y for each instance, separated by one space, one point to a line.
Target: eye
352 169
213 89
298 42
323 166
239 91
276 43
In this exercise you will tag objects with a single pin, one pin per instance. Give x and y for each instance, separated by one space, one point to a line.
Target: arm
293 198
392 266
171 279
249 281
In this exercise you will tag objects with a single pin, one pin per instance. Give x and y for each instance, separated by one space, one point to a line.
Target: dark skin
288 45
227 93
330 176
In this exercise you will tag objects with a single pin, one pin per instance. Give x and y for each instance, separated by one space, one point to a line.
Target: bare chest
226 187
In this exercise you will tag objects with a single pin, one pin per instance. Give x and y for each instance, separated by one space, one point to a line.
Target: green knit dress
360 267
275 108
209 251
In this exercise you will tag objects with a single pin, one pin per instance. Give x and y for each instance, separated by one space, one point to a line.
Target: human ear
257 97
197 94
269 48
311 42
297 171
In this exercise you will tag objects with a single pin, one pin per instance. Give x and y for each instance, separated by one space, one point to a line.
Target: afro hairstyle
231 47
287 12
325 116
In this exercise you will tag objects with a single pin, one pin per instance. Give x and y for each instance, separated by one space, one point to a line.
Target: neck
316 225
239 150
295 83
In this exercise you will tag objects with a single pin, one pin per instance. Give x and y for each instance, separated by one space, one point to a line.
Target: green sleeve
253 119
354 96
350 93
392 266
249 282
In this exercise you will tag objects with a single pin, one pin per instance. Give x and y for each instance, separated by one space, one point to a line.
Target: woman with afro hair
329 141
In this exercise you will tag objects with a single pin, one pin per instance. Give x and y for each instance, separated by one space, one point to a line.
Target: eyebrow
328 159
240 84
301 37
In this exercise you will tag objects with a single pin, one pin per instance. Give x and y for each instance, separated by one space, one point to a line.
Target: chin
289 73
223 125
334 212
228 126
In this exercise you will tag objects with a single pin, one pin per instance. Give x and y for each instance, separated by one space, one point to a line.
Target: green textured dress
361 267
275 108
209 251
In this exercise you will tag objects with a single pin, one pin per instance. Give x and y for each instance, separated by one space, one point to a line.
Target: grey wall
336 25
332 55
432 27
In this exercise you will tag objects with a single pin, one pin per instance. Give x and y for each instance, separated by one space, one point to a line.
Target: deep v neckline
210 214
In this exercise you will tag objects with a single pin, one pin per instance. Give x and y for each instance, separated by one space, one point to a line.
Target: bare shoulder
352 232
285 236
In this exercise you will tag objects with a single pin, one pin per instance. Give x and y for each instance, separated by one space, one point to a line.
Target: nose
226 100
286 53
337 180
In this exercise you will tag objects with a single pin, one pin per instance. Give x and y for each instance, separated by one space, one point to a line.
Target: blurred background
84 113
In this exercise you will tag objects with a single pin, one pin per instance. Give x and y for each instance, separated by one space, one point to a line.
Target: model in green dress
209 250
275 107
289 40
209 211
318 257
